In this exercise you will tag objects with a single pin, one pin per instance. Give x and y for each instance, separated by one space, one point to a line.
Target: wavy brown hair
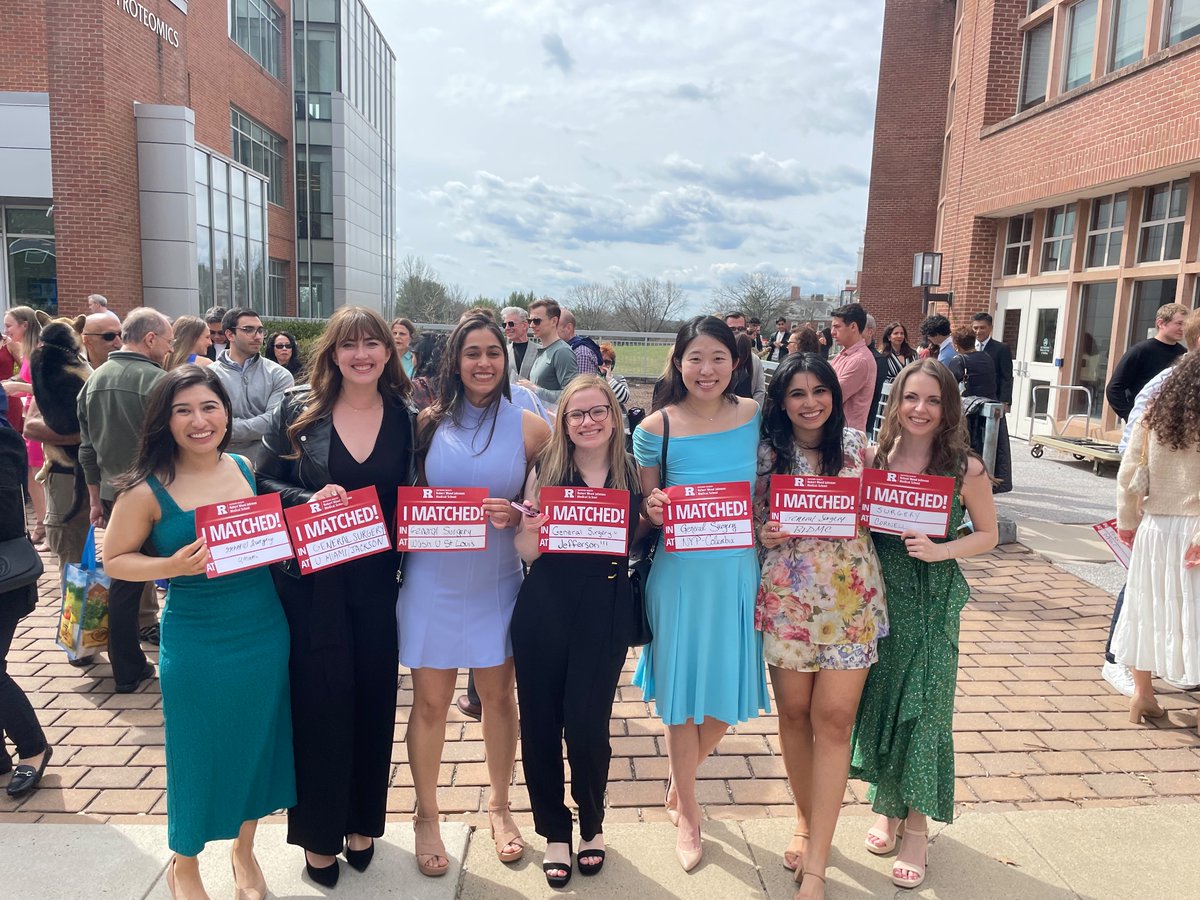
349 323
1174 416
951 443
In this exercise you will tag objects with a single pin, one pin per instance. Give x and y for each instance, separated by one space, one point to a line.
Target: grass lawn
642 359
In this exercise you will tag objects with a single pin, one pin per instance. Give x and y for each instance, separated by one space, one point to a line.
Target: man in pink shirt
855 366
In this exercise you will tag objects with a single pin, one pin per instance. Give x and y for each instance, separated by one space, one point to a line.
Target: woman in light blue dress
454 608
704 668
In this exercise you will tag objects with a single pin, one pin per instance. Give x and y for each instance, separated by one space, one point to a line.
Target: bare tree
756 294
646 305
420 294
592 304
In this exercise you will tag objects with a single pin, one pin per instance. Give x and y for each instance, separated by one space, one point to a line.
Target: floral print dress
820 602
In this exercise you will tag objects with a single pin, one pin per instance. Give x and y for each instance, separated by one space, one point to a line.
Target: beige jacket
1174 481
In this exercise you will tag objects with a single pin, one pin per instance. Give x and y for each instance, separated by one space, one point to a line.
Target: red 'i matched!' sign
815 506
708 517
896 502
441 518
329 532
243 534
584 520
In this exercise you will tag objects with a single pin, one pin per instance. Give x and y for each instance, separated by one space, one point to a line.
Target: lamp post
927 273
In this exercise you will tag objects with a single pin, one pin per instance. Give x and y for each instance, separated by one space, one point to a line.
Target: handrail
1034 415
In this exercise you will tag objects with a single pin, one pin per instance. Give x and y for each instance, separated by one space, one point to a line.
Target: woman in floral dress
820 607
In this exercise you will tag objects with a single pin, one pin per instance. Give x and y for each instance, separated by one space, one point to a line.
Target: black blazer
1002 357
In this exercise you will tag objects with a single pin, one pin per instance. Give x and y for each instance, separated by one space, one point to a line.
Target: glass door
1033 315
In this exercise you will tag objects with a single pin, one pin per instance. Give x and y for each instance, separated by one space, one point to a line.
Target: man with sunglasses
255 384
555 365
101 336
214 317
521 353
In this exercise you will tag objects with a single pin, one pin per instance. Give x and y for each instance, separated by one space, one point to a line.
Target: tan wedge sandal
507 833
428 846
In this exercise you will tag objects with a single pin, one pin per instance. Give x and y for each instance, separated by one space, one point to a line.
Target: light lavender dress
455 607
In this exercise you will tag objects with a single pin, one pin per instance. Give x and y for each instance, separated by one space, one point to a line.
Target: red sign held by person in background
329 532
584 520
896 502
243 534
441 518
708 517
815 506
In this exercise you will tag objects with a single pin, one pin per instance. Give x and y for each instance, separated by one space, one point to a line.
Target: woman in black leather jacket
350 427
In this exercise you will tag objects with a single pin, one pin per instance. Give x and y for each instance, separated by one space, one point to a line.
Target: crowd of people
285 682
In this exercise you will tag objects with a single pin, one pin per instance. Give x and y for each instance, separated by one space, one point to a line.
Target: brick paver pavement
1035 726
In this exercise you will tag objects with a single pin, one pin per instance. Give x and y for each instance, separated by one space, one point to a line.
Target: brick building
1050 149
147 153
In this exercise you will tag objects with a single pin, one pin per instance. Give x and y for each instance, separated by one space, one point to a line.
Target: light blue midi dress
706 658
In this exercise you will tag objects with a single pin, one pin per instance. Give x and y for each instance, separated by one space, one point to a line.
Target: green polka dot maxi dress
903 737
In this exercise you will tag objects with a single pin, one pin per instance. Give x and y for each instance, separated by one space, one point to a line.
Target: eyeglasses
510 324
737 329
250 329
535 320
596 414
107 336
283 346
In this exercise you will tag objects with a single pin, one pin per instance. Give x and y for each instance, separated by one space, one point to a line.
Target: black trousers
124 605
568 664
344 666
1112 628
17 718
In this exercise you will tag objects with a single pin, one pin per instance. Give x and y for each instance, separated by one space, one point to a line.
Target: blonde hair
187 330
28 317
556 462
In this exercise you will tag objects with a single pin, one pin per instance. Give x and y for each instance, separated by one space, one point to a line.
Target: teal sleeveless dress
223 671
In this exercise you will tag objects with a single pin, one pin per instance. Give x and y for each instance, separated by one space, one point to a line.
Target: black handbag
642 559
20 565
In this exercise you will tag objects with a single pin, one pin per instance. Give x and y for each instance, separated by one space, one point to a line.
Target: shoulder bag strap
665 438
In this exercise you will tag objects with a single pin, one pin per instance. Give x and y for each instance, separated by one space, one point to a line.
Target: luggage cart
1082 448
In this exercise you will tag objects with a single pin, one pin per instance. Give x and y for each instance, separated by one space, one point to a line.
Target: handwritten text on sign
815 506
329 532
708 517
441 518
584 520
1107 532
896 502
243 534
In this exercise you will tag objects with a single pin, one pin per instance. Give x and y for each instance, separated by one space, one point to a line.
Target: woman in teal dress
223 664
903 738
704 668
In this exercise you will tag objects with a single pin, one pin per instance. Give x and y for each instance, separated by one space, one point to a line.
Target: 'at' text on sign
441 518
329 532
708 517
584 520
896 502
243 534
815 506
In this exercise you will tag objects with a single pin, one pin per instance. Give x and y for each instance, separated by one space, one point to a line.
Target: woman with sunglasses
567 675
904 734
191 343
820 607
283 349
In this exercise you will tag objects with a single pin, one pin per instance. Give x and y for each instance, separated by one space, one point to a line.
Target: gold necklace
362 408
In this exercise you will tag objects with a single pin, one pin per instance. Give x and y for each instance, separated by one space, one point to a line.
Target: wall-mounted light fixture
927 273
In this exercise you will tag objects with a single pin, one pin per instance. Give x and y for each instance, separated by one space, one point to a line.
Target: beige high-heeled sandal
887 843
918 869
1140 709
795 866
506 834
428 846
820 878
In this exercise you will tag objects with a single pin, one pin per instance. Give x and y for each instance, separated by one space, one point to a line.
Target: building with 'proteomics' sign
183 155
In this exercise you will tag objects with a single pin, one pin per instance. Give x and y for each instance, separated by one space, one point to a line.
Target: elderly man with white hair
521 353
97 303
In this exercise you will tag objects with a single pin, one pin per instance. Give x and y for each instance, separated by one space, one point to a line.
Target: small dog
58 370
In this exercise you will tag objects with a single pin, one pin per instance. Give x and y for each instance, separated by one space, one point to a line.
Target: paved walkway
1035 727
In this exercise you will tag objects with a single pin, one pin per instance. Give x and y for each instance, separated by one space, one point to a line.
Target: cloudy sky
547 143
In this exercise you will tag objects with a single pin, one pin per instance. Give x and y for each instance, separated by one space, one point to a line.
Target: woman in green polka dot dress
903 738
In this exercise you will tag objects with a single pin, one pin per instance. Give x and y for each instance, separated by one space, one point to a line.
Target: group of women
280 689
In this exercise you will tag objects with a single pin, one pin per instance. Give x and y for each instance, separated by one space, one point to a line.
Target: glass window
220 195
1035 72
1017 243
316 290
1148 296
241 275
1095 335
1128 33
1160 235
259 149
32 270
1105 230
26 220
1045 333
1058 238
1081 42
277 288
204 266
314 185
222 269
256 27
1183 21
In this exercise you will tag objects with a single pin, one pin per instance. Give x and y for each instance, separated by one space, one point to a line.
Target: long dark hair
906 352
451 396
777 428
293 365
349 323
701 326
157 449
